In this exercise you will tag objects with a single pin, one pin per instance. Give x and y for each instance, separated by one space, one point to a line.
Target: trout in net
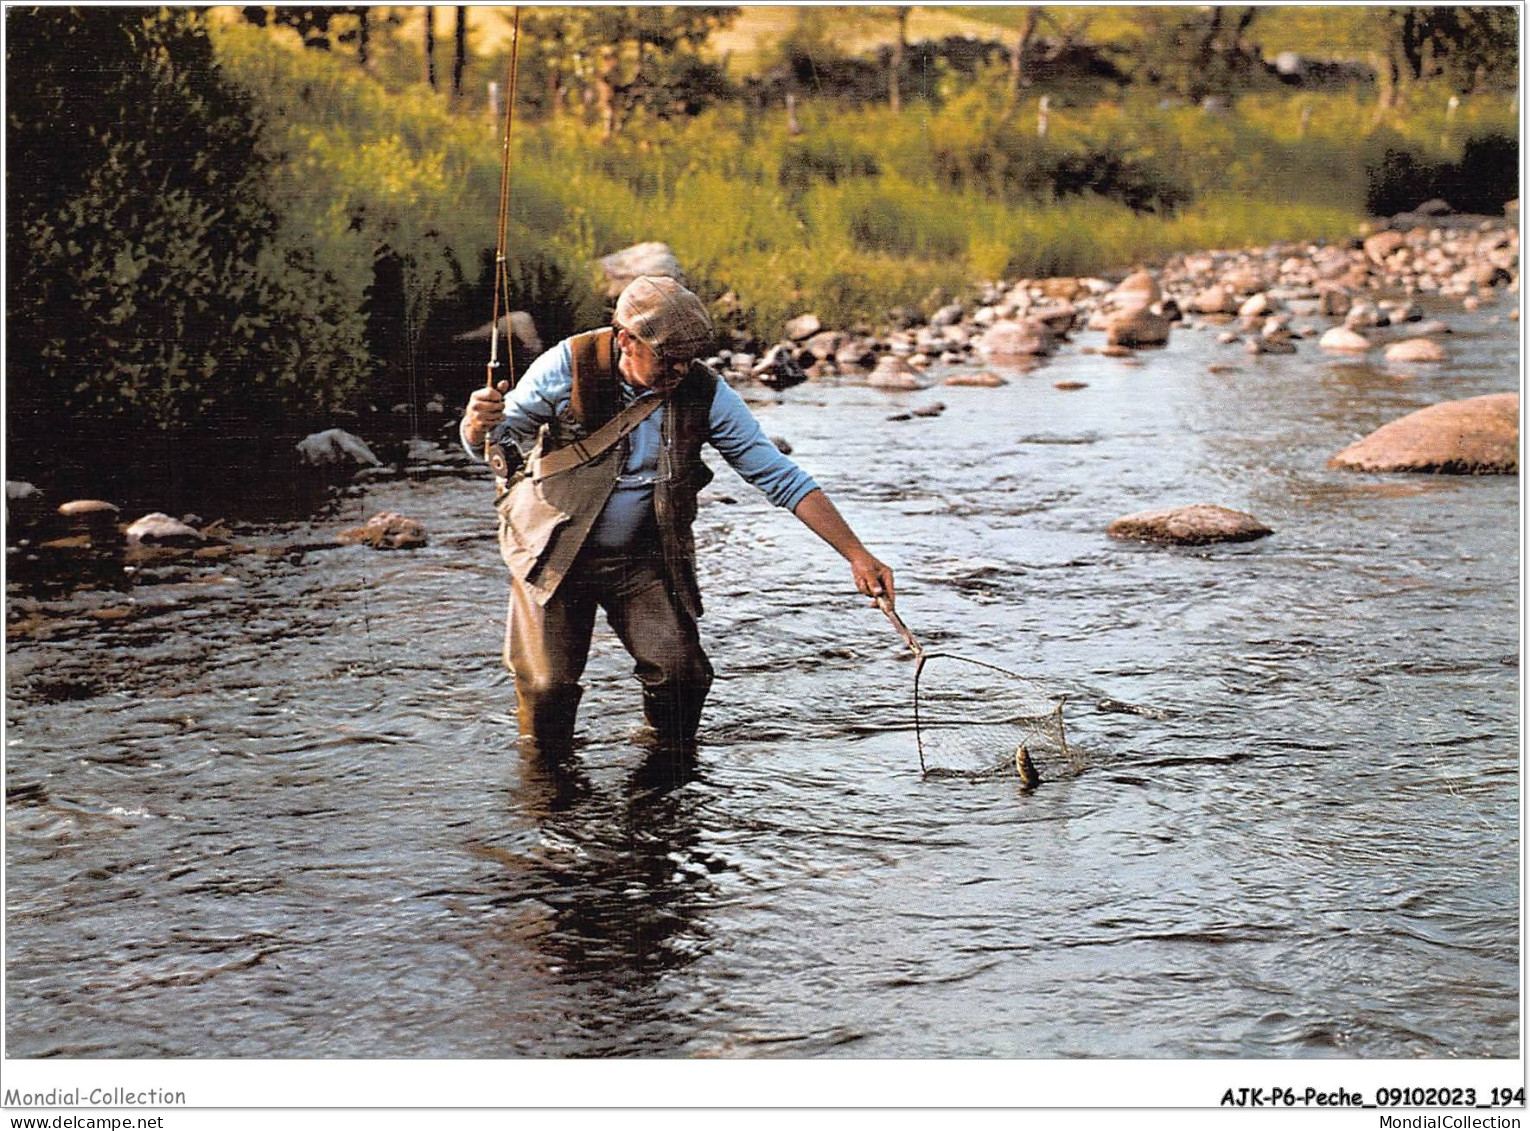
974 719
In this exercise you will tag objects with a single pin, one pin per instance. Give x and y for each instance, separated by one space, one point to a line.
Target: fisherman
597 454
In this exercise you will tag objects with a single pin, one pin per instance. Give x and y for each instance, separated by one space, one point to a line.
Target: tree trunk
459 53
430 47
364 37
605 91
895 69
1017 55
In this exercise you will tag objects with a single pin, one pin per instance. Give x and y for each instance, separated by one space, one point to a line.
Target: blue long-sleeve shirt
543 393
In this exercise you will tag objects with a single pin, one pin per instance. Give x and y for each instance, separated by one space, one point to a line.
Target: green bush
149 289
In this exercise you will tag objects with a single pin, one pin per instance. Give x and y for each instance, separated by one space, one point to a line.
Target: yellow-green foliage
864 210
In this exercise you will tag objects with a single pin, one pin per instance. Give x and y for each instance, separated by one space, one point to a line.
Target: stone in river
1137 289
982 380
1195 525
386 531
1024 337
160 529
1137 326
803 327
89 510
1341 339
1415 350
336 447
894 373
1476 436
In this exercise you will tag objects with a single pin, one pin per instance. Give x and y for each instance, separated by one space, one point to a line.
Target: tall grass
864 211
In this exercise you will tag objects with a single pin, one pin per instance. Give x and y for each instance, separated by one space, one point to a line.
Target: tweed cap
666 317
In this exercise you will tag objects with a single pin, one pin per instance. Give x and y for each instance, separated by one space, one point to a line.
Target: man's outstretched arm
872 577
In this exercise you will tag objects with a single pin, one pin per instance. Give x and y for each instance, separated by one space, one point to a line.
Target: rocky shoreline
1325 299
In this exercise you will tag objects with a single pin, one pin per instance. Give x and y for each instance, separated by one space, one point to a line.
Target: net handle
886 605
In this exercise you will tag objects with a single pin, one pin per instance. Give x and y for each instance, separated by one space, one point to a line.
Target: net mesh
974 719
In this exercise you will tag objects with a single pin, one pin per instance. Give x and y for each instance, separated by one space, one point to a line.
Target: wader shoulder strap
583 451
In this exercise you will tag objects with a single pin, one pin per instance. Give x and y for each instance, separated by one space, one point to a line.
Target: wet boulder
1197 525
1382 245
858 353
1137 326
894 373
1476 436
778 369
1333 302
25 504
160 529
336 448
386 531
825 343
1341 339
1020 337
1215 299
1415 350
1137 289
1058 317
652 258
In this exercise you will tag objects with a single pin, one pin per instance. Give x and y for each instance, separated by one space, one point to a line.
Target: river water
272 807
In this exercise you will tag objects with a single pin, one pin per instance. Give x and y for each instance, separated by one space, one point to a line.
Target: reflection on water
273 806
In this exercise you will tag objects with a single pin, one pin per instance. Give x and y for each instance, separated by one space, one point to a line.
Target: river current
272 807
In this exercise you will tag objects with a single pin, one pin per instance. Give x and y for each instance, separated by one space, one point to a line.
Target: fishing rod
502 242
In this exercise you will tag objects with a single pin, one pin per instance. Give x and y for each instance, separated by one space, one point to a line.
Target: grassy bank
863 211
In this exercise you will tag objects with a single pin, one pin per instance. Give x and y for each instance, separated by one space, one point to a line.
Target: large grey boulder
1196 525
652 258
1476 436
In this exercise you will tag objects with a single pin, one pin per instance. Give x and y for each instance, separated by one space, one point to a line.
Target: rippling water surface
273 807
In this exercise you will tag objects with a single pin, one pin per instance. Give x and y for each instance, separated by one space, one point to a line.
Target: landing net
975 719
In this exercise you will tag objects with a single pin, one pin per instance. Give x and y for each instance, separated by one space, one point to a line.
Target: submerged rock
1195 525
980 380
1477 436
386 531
1415 350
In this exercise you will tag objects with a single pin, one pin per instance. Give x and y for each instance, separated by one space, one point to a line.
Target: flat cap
666 317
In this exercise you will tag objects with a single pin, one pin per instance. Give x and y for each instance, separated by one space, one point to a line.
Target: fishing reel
504 460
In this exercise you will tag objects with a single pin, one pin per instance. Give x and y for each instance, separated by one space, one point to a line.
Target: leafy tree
621 58
148 290
1197 52
1467 46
